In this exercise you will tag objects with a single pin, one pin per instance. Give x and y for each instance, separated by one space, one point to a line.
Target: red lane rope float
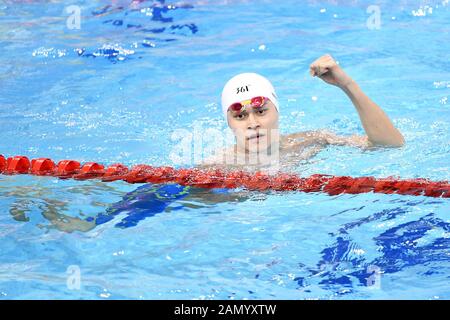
333 185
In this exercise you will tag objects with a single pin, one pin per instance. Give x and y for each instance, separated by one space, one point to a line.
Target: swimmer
250 106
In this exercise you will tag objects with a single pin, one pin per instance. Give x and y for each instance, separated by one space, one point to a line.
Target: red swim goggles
255 102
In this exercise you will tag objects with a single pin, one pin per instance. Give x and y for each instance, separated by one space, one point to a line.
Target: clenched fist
329 71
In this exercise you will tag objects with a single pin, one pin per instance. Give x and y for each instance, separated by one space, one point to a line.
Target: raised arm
377 125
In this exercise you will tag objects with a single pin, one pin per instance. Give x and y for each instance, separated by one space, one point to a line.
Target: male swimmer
250 106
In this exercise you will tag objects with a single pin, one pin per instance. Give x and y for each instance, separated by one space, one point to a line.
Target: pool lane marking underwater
214 178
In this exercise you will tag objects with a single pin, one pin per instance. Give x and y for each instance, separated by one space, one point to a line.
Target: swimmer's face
255 129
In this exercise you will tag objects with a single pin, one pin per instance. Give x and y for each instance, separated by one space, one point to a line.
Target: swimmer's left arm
325 137
377 125
353 141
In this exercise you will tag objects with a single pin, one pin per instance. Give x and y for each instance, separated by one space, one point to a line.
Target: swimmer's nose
253 124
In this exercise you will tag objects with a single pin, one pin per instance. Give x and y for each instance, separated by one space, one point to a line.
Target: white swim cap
245 86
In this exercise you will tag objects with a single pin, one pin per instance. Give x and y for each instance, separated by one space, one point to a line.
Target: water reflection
343 265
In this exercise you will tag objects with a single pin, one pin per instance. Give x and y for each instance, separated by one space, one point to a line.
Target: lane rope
332 185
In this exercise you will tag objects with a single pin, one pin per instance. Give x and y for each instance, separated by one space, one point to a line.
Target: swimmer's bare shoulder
289 140
309 142
218 159
323 137
295 138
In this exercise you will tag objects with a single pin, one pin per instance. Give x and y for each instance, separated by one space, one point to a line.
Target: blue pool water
116 89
